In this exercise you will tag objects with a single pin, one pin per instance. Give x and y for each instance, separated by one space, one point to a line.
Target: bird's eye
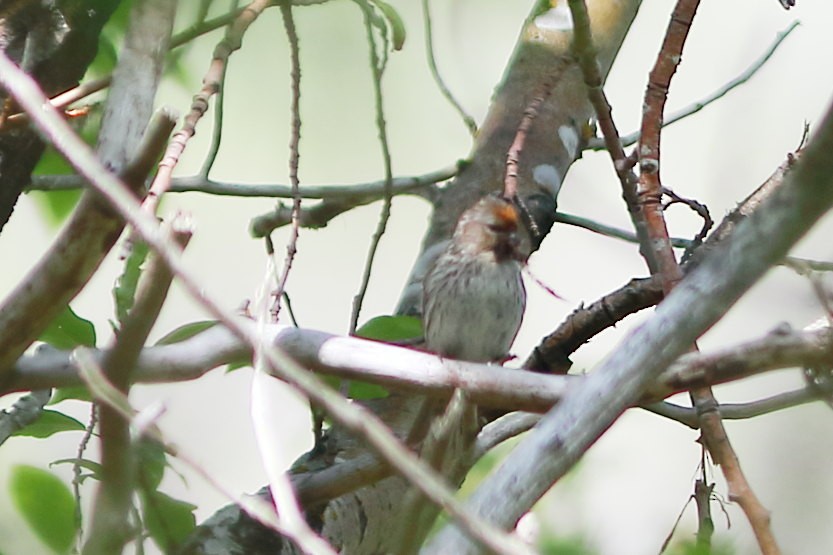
501 228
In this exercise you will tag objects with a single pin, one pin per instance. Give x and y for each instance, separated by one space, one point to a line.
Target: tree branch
407 370
700 300
93 228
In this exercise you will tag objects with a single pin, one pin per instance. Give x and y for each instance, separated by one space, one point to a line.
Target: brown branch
715 438
552 354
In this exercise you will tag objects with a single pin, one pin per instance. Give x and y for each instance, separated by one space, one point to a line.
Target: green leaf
395 23
50 422
237 366
152 463
110 40
168 520
93 466
68 331
55 206
46 504
78 393
186 331
124 291
391 328
363 390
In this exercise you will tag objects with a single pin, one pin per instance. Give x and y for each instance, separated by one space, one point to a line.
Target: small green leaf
186 331
78 393
56 205
124 292
363 390
238 365
68 331
152 463
50 422
391 328
93 466
46 504
168 520
395 23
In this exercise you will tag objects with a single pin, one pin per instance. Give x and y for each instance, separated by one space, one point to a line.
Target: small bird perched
473 295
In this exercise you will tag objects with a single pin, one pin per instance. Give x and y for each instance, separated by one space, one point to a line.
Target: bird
473 295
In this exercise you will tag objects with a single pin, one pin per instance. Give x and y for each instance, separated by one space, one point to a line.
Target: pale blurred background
625 495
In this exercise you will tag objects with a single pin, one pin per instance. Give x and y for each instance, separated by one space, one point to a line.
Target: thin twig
77 473
737 411
289 511
693 108
698 207
377 68
611 231
295 137
435 73
504 428
363 192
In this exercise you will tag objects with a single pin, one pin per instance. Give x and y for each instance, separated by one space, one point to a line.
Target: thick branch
405 369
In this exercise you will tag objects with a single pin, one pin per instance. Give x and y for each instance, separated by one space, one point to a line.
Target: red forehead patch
506 215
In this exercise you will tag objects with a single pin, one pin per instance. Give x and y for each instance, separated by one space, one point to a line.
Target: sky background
625 495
